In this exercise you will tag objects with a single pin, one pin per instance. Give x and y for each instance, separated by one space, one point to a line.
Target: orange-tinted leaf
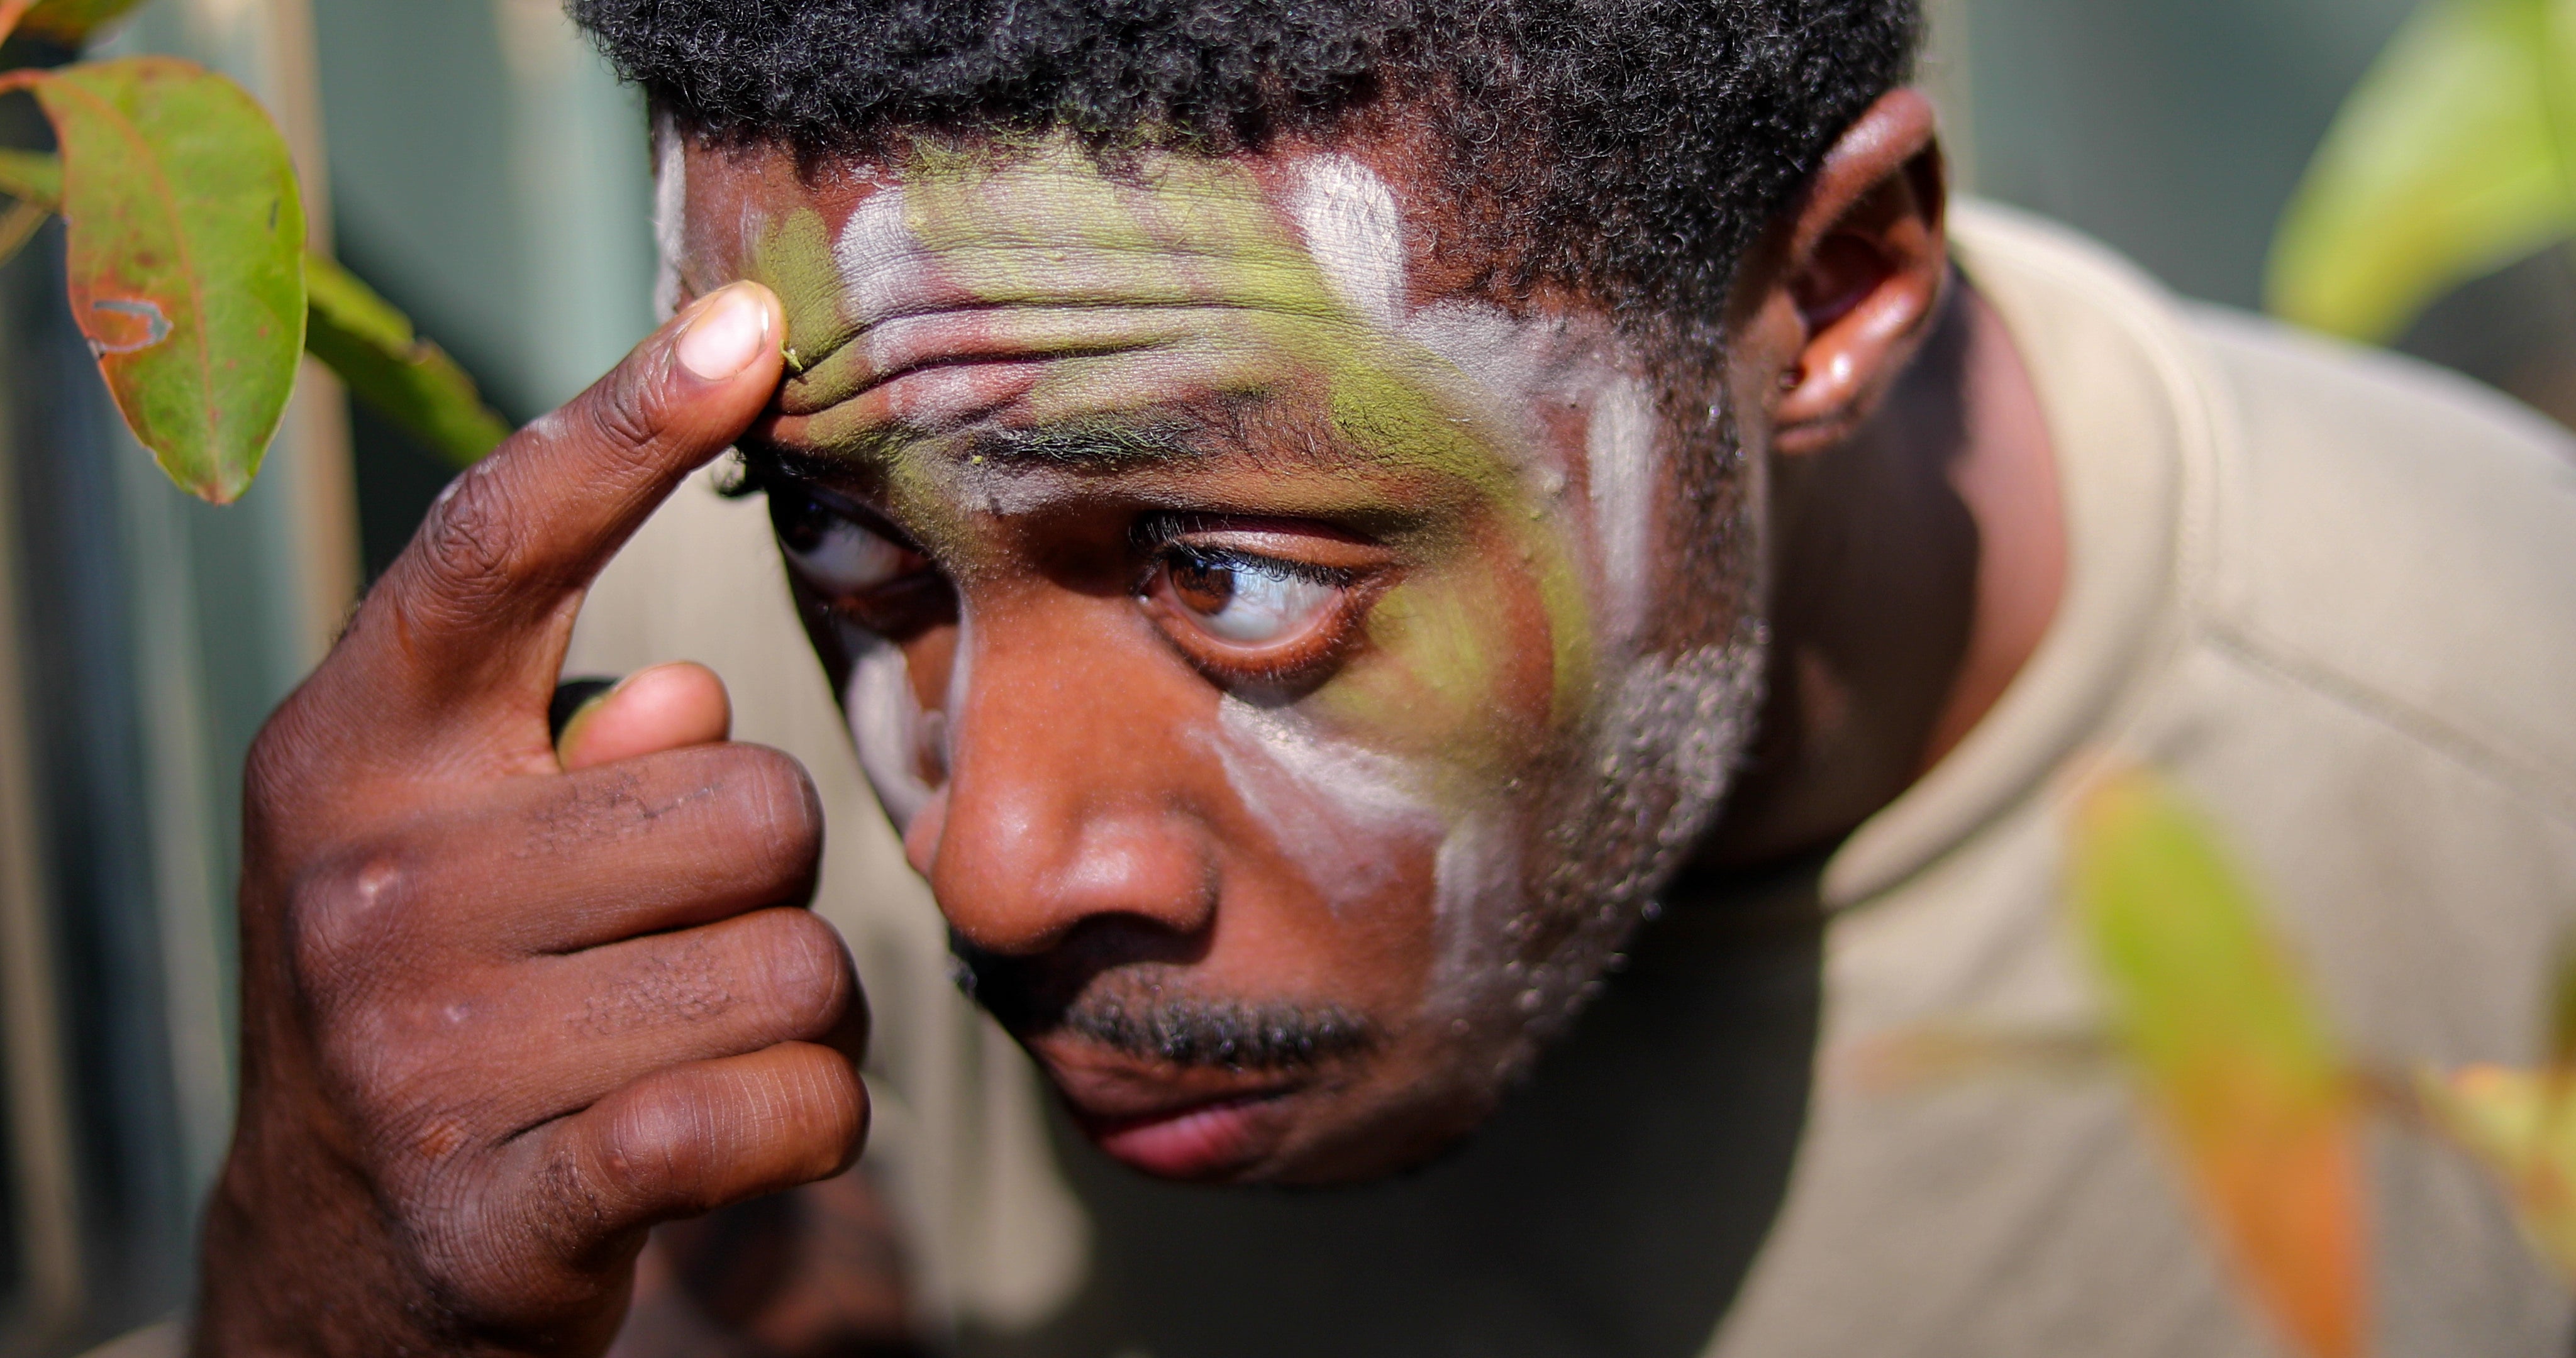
69 22
2522 1126
2233 1055
186 257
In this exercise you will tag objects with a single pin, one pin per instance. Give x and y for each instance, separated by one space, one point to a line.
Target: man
1448 598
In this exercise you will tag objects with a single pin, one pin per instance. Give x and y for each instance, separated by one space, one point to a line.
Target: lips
1199 1141
1171 1122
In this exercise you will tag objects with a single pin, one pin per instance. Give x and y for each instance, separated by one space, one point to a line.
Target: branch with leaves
2220 1032
188 272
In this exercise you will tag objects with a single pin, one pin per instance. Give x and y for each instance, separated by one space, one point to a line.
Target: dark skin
507 1005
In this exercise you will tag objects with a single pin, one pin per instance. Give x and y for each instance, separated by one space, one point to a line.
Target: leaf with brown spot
186 257
2233 1055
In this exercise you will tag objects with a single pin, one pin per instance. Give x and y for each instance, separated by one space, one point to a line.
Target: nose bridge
1069 789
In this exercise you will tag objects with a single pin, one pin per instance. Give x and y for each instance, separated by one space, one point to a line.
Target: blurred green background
487 174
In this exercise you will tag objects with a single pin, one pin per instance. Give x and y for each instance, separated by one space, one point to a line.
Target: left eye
1248 600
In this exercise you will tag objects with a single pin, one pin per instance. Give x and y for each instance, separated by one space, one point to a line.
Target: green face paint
1019 357
1182 286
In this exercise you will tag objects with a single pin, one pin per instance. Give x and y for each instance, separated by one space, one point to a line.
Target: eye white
1265 604
847 559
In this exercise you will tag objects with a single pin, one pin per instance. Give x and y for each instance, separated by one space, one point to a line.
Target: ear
1855 278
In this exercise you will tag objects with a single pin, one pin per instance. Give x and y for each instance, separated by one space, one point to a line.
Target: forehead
1369 203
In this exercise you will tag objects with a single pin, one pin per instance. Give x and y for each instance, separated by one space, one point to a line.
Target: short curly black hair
1628 149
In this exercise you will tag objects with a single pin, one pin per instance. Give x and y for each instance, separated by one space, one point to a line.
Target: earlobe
1863 274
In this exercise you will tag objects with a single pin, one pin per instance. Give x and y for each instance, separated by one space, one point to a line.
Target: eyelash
896 608
1286 668
904 605
1231 558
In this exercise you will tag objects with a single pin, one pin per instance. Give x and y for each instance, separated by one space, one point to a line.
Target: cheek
1334 862
1468 665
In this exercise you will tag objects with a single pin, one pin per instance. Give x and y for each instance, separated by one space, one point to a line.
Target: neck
1919 563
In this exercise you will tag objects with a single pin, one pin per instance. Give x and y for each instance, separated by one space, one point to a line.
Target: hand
504 1006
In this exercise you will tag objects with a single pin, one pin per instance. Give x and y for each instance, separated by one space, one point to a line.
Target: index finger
470 623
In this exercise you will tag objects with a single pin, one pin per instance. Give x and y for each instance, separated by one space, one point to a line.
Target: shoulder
2398 538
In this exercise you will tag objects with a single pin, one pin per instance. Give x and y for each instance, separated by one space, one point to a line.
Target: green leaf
69 22
18 225
186 257
2449 161
2521 1125
32 177
35 180
404 377
2232 1054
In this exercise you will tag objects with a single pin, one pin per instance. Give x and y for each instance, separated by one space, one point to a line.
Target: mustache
1134 1015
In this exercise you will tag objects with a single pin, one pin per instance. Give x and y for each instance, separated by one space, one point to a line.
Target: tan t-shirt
2333 594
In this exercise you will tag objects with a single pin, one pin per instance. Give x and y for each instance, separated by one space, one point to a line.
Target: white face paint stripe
885 724
670 207
1623 459
879 259
1356 237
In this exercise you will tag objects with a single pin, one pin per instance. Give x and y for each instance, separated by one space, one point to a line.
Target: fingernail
727 335
575 699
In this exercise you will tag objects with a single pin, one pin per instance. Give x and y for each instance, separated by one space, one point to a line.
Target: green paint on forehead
1056 251
791 255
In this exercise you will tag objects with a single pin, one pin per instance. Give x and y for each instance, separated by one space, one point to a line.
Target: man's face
1291 672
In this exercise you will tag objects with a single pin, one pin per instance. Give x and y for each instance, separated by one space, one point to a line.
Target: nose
1070 791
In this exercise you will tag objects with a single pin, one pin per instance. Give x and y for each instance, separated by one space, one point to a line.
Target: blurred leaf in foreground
360 335
2445 164
34 181
406 378
32 177
69 22
2233 1055
186 257
2522 1126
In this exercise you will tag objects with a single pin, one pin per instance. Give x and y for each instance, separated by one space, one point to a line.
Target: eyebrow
1089 445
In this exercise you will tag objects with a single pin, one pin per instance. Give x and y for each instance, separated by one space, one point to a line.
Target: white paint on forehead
670 213
1511 359
879 258
1354 234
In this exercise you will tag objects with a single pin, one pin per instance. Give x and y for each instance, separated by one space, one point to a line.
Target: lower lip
1197 1143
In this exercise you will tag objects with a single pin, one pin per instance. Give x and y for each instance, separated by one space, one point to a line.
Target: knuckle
780 814
827 1112
803 974
280 768
626 412
346 918
659 1146
467 546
